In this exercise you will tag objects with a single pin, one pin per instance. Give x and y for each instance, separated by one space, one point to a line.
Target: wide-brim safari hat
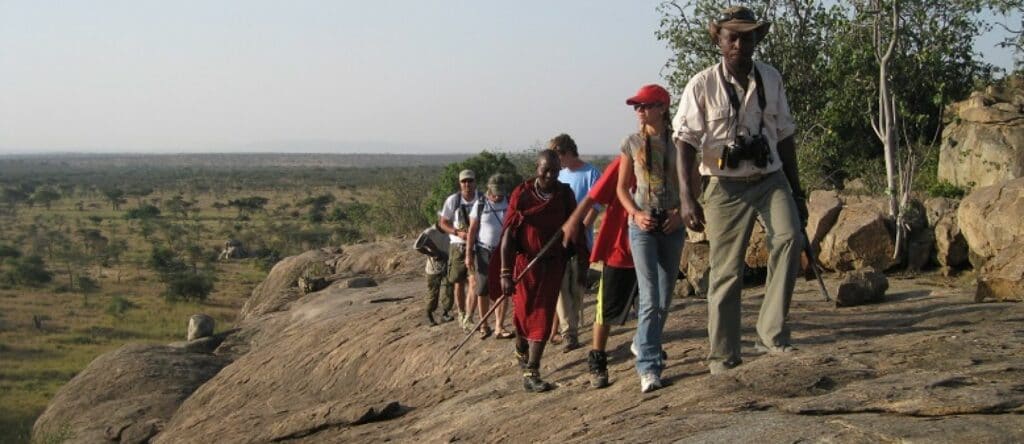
739 19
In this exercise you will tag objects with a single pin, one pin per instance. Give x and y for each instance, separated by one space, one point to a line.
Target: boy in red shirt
618 277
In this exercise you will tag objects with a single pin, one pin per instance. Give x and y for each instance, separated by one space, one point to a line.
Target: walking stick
554 240
813 260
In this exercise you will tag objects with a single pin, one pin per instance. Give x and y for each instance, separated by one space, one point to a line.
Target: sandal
556 339
485 332
504 334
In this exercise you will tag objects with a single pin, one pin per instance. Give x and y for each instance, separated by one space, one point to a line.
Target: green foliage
945 189
189 286
484 165
826 55
45 196
144 211
27 270
118 305
9 251
248 204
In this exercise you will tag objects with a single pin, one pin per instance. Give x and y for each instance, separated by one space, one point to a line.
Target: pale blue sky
398 76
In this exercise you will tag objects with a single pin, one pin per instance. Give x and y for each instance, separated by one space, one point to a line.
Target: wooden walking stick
554 240
813 261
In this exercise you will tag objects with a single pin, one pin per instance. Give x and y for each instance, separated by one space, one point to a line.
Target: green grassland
51 331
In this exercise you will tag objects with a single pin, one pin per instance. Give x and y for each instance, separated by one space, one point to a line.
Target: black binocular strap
734 99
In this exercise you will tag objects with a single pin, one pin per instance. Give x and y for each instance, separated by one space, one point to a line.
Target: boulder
695 265
861 286
200 326
823 207
989 218
280 288
860 238
984 144
921 237
757 248
126 395
1002 277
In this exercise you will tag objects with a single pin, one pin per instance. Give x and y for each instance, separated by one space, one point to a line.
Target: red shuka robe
534 222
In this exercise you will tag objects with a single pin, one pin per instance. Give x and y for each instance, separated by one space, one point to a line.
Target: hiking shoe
720 367
571 343
774 349
521 357
533 384
633 350
649 382
430 319
597 360
446 317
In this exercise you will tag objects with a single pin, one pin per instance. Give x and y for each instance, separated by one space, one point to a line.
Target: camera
755 148
660 216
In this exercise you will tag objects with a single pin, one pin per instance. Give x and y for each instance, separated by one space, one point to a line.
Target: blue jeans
656 257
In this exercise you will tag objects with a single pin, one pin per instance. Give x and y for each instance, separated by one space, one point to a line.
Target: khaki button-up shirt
706 120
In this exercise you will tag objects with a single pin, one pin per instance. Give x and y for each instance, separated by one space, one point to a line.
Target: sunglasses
467 180
645 106
745 15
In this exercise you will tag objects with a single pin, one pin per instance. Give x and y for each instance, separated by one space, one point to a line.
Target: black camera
755 148
660 216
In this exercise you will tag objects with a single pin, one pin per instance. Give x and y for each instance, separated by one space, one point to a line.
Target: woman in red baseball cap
655 227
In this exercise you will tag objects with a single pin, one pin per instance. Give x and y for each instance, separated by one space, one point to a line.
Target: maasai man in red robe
537 209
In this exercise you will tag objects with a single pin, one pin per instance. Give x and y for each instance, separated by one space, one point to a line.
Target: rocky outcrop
125 396
860 238
823 209
281 286
1002 277
950 245
990 219
200 326
984 144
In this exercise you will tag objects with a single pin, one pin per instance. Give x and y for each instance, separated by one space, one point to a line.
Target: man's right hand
692 214
508 286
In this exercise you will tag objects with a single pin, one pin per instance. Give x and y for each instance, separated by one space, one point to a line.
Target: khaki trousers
570 299
730 207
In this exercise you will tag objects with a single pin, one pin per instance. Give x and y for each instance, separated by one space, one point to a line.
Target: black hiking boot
521 357
571 343
598 362
532 382
446 317
430 319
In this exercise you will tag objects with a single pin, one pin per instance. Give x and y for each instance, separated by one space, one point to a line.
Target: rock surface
863 286
927 365
200 326
1002 277
860 238
990 220
984 145
126 395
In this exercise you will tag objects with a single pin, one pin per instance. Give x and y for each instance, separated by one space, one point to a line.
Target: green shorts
483 261
457 272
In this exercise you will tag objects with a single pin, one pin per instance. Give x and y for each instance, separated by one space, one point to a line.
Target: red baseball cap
650 94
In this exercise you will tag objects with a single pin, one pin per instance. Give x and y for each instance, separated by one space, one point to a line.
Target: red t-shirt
611 245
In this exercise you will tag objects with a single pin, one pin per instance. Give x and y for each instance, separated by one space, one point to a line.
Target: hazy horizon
325 77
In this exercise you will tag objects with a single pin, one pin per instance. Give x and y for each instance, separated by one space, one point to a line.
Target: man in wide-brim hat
737 115
739 19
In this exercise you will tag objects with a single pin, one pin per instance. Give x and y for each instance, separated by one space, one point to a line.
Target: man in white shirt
736 114
454 220
485 223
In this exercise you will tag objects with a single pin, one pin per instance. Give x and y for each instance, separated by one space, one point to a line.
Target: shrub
189 286
118 306
29 270
484 165
144 211
946 189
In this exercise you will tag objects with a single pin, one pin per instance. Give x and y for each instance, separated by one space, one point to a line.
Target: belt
751 178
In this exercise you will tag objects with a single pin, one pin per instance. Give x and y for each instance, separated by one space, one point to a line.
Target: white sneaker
649 382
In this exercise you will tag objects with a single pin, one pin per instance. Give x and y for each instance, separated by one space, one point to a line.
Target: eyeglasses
645 106
743 14
467 180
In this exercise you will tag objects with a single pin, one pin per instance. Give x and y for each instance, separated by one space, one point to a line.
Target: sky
427 76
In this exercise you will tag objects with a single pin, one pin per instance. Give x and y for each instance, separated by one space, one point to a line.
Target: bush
8 251
945 189
144 211
29 270
189 286
118 306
